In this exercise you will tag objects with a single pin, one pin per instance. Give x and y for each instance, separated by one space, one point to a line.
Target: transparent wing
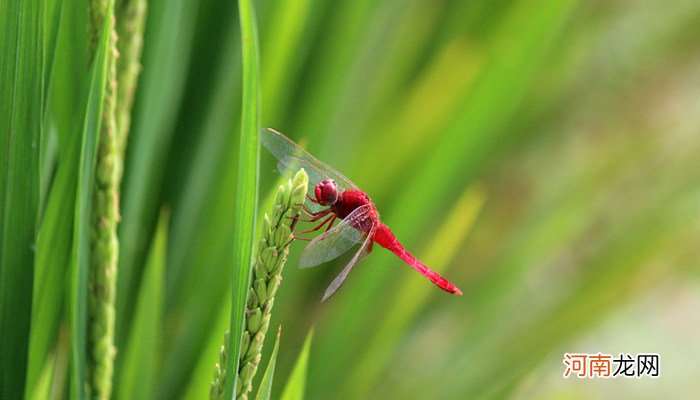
364 250
292 157
337 240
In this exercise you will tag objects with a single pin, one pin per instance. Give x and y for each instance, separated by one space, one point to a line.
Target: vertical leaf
80 255
52 259
58 187
296 384
265 389
21 106
138 379
200 379
247 186
42 387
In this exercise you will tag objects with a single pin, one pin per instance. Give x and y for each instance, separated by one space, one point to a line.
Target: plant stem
122 74
272 251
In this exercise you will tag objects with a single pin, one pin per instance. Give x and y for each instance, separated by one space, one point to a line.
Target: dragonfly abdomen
385 238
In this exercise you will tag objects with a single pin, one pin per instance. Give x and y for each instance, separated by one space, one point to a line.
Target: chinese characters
601 365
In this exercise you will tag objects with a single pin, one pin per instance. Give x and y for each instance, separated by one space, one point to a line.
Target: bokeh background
543 155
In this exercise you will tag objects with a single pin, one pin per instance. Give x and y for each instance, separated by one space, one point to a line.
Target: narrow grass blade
53 254
296 384
80 255
139 373
247 187
21 109
53 246
51 13
200 380
265 389
52 381
47 153
42 386
52 19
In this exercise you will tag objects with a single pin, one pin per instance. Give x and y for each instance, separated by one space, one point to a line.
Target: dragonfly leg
309 213
311 199
319 226
295 235
330 225
314 216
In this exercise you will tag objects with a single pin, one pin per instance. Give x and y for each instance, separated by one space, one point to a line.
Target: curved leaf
265 389
80 255
296 384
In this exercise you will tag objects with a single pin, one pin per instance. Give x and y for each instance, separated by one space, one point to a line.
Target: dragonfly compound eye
326 192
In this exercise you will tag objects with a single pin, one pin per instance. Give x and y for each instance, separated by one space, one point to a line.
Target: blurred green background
542 155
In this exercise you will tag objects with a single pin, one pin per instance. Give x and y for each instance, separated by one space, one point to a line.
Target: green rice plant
541 155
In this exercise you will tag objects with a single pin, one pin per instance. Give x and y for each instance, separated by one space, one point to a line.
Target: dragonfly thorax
326 192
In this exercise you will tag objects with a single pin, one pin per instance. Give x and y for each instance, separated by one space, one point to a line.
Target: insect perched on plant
336 197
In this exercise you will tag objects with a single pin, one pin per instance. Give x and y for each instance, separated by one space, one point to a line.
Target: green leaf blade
139 373
265 389
296 384
21 109
80 256
247 186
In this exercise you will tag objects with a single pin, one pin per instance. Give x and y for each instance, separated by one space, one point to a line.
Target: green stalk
118 99
272 251
102 276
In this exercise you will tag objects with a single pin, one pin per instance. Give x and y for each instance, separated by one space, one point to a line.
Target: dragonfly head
326 192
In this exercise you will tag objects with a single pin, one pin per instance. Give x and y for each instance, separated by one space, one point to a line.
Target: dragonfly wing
292 157
337 240
361 253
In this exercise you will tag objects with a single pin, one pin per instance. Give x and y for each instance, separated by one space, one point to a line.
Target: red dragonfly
336 197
